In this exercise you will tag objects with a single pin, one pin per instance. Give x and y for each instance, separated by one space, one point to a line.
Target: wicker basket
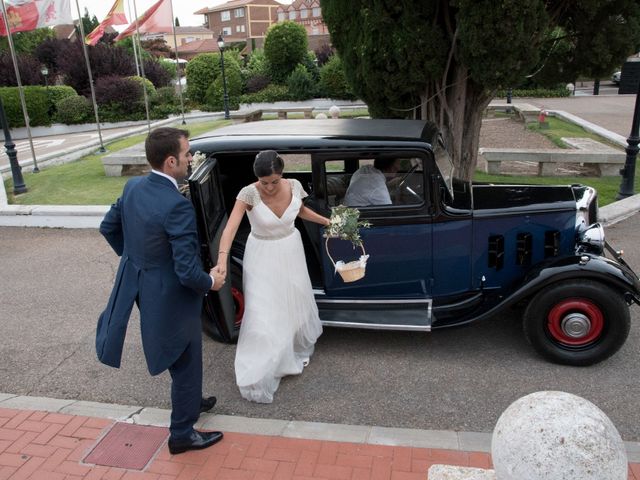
352 271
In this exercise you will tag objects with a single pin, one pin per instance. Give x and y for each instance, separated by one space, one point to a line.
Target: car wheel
579 322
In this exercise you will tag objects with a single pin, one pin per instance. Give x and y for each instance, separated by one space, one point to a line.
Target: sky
183 9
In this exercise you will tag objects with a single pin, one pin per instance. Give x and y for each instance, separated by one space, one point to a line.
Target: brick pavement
39 445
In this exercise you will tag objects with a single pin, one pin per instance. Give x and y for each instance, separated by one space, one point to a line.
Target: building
183 35
241 18
305 12
308 14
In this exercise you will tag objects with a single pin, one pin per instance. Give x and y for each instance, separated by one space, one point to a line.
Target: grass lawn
559 128
83 182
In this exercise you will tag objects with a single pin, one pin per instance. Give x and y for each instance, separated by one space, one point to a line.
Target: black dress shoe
207 404
196 441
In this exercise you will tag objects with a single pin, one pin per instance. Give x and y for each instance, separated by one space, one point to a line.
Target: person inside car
370 184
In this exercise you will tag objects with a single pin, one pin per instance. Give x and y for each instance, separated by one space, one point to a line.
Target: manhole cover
127 446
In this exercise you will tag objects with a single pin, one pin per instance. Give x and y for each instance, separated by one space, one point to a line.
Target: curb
370 435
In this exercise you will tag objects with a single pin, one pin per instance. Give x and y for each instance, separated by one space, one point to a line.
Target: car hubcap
575 322
238 302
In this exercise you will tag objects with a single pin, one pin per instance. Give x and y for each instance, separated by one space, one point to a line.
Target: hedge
37 106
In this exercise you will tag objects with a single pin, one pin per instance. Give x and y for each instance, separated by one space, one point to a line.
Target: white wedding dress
280 324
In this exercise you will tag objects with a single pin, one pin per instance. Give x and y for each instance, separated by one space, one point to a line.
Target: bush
332 80
285 46
535 92
29 70
256 83
215 91
166 96
273 93
105 60
119 98
157 74
310 63
37 106
201 71
151 90
323 53
75 109
258 64
170 67
300 83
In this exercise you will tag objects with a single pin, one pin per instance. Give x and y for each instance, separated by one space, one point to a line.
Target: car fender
583 266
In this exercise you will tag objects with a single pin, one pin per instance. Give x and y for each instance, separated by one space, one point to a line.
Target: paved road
55 282
53 143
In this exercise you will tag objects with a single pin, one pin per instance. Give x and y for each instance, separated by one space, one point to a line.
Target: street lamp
45 73
225 96
628 172
10 147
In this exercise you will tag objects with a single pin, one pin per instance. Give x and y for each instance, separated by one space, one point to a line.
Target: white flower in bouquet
344 224
198 158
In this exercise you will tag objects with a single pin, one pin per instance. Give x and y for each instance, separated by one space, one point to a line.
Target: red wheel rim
238 300
563 311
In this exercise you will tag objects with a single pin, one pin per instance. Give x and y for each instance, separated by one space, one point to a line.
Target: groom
153 228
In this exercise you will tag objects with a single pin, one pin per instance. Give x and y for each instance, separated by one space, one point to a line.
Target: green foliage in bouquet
345 225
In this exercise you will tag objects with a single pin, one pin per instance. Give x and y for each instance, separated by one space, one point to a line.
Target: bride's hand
221 267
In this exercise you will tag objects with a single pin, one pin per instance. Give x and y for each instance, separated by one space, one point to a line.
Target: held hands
219 278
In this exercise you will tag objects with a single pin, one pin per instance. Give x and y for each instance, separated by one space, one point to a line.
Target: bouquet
345 225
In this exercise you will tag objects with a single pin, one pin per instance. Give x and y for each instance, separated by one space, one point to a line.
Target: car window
375 182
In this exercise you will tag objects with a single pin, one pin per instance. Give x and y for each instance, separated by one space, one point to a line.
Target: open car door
218 311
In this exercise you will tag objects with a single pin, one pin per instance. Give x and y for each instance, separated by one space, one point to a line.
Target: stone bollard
556 435
321 116
334 111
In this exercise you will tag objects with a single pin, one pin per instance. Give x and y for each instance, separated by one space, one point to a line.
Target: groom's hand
218 278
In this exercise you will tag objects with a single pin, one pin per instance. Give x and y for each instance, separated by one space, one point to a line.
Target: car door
218 311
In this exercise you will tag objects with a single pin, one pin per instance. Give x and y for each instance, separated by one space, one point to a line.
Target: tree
285 46
157 47
444 59
27 42
88 23
177 22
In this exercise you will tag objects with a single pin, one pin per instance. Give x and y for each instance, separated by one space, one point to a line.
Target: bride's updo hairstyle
267 163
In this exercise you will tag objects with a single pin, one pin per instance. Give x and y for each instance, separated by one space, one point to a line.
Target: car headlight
592 238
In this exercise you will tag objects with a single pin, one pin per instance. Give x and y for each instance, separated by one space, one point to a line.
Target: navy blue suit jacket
153 228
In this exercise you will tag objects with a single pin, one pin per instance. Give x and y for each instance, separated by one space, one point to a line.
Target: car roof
391 129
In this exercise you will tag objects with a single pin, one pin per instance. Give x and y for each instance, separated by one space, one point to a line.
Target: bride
280 324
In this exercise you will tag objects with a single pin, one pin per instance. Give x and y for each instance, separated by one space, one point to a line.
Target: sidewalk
51 439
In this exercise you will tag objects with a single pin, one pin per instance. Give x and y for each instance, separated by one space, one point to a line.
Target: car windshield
444 163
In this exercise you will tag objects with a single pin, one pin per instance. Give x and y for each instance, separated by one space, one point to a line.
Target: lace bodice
265 224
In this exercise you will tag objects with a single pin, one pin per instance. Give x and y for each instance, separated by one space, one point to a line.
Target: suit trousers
186 389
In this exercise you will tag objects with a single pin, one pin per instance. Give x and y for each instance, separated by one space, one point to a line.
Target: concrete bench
247 115
527 112
130 161
585 150
253 115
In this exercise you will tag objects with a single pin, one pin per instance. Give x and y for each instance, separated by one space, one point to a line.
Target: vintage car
446 252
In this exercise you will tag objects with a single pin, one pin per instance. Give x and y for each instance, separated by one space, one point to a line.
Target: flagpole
175 43
135 48
93 92
144 87
20 90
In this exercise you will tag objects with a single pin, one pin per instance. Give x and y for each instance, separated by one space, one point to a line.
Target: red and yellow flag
157 19
23 15
115 16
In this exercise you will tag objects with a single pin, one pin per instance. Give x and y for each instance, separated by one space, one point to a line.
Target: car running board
405 314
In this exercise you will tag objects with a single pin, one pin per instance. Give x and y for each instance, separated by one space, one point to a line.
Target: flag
157 19
115 16
29 15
